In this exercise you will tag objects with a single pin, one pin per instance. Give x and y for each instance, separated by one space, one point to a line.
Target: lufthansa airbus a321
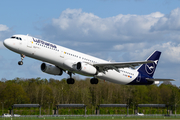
58 59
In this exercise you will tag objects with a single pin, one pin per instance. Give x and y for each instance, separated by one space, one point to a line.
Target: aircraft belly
116 77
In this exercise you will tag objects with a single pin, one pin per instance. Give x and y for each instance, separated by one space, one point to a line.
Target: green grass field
94 118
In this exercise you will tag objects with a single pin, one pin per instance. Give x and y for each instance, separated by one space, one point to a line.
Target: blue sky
116 30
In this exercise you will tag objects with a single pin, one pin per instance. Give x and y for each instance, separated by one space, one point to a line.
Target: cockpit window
18 38
13 37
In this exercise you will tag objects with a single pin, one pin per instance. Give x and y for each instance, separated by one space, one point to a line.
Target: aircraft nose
6 42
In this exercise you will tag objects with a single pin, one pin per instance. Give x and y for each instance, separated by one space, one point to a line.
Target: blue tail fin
149 69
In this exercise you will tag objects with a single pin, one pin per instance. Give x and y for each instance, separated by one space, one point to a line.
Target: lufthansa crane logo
150 67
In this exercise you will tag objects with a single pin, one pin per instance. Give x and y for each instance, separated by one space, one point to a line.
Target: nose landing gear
21 62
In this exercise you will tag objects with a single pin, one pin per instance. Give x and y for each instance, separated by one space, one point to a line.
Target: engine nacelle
51 69
86 68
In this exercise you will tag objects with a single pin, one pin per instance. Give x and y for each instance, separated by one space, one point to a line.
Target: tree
165 93
14 94
175 96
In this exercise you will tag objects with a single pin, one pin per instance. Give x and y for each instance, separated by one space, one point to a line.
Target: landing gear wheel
70 81
20 63
94 81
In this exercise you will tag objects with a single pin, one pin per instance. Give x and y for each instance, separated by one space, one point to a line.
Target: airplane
57 59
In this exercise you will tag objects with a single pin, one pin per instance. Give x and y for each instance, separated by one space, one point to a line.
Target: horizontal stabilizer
149 79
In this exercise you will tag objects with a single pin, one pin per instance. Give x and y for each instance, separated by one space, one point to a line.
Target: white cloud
75 18
73 23
3 28
135 35
5 32
172 51
170 22
137 51
129 46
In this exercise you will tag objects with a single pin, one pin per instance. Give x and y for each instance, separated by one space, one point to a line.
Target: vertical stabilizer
149 68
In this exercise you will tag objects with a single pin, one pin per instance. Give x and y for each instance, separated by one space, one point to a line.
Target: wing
102 67
149 79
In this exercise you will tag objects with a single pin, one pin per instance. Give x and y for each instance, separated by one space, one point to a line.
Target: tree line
52 92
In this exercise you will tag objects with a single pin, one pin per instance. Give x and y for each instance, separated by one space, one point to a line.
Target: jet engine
51 69
86 68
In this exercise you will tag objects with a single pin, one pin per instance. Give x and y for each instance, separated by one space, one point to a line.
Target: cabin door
29 42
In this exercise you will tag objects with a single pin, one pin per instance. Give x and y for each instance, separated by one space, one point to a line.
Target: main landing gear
21 62
70 80
94 81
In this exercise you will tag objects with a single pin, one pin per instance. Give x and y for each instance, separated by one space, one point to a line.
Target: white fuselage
65 58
